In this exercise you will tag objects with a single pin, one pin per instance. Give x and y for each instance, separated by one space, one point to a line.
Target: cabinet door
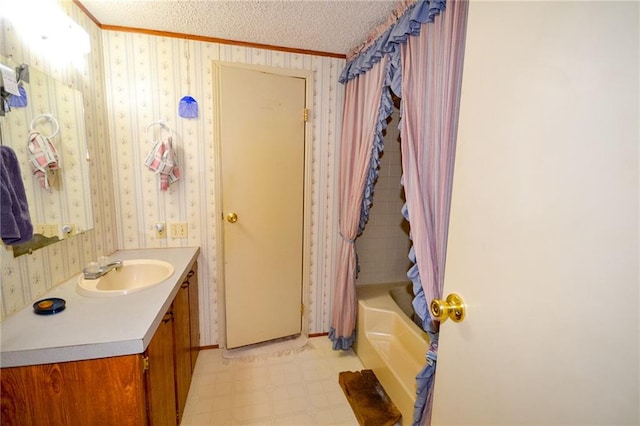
194 314
161 394
106 391
182 345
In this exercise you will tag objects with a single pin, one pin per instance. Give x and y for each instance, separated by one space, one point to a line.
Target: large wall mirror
52 121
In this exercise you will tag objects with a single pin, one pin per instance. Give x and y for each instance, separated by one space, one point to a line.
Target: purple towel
15 222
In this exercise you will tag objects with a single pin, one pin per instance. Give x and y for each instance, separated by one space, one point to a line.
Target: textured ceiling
333 26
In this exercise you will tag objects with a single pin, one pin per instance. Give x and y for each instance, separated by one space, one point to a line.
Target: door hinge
305 114
145 364
302 308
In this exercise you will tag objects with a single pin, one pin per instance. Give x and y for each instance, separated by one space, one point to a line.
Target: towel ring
48 117
162 125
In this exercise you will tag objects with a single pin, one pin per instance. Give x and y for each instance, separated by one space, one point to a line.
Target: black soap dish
49 306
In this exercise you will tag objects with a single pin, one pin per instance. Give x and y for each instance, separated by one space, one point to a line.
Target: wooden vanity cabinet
106 391
172 354
140 389
160 377
182 342
194 306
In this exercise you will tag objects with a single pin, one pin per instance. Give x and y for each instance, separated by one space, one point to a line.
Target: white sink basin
134 275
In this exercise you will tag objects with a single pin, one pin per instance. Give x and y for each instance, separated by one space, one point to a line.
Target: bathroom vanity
122 360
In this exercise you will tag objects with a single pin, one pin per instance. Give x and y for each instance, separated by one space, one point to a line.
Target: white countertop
94 327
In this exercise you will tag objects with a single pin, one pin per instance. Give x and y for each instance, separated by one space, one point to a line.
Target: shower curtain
362 98
425 50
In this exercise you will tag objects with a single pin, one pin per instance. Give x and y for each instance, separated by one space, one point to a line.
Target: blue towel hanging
18 101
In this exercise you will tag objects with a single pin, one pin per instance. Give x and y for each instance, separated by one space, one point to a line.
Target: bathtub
389 342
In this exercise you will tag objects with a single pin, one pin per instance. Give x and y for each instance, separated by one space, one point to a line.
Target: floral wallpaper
26 278
146 76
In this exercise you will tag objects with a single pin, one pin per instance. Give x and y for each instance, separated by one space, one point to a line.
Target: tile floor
297 389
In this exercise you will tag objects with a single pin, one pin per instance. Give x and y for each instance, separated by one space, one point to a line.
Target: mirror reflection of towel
43 159
15 222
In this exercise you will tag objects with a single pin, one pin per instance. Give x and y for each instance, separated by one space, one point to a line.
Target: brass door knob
232 217
453 308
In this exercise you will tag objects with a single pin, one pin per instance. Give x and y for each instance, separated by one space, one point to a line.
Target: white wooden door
262 164
543 240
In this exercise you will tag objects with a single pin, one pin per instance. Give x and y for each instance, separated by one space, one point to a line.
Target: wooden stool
370 403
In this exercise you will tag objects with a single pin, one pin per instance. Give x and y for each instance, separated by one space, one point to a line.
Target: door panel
262 148
161 379
543 239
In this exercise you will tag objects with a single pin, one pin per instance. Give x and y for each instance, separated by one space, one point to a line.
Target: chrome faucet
95 274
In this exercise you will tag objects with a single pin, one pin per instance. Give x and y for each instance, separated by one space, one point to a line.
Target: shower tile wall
383 246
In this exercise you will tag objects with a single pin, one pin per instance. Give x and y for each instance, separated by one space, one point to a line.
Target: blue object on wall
188 107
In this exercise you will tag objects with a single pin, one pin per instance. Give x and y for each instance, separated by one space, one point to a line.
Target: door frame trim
218 233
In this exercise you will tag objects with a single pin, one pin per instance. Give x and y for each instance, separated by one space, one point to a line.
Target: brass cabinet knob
232 217
453 308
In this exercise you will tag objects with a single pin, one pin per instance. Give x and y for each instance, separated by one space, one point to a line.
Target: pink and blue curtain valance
418 57
411 15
